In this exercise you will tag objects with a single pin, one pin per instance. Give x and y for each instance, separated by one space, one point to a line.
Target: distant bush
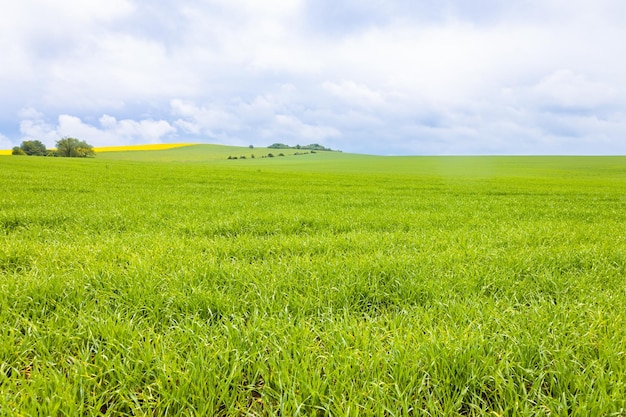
281 154
279 146
30 147
74 148
318 147
270 155
313 146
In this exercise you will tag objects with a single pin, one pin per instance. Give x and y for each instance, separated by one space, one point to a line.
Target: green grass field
178 282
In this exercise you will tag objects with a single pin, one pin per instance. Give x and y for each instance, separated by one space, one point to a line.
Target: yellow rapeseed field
147 147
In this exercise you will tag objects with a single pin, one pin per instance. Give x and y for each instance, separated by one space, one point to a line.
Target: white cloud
269 117
355 94
295 129
144 131
5 143
567 89
524 76
38 129
211 121
36 37
110 132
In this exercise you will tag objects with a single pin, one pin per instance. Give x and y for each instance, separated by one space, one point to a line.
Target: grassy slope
346 283
346 162
338 162
197 153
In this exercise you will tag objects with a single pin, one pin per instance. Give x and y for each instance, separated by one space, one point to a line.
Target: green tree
17 151
278 146
33 147
72 147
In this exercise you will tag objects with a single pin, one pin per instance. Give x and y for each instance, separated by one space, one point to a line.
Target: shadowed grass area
315 284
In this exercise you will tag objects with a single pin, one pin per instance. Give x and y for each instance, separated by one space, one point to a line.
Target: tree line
313 146
65 147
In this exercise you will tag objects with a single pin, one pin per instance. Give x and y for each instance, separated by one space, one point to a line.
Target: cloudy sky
376 76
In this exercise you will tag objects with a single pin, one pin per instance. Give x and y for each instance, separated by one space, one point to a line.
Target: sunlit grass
424 286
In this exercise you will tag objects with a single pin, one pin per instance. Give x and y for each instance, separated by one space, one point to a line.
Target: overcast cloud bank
386 77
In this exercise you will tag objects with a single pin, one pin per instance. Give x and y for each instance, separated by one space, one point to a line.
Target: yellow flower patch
148 147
